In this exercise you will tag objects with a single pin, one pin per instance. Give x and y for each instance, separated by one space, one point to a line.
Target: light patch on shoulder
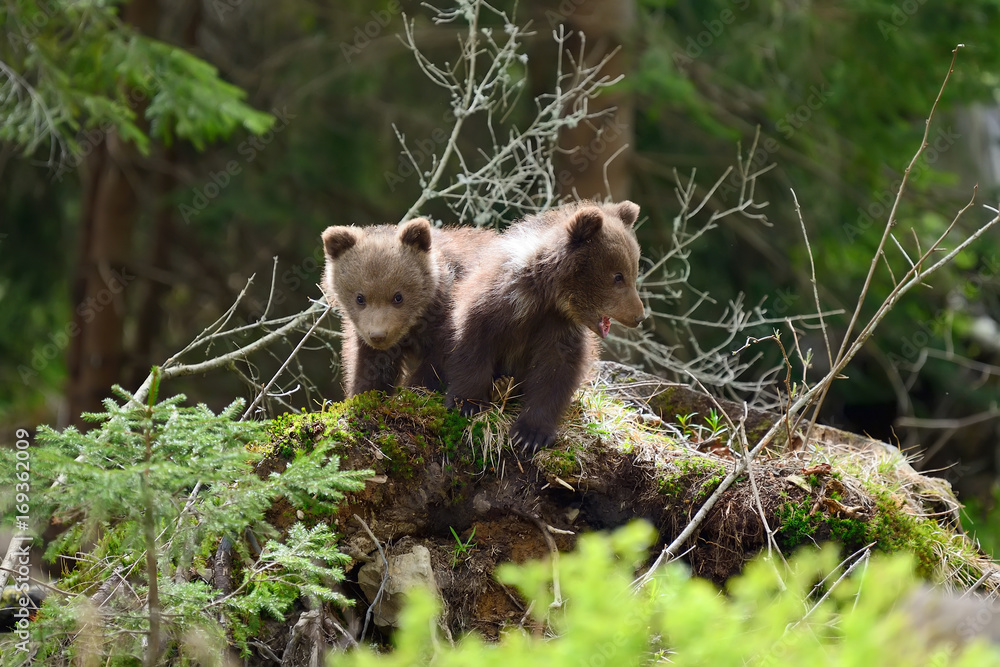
522 248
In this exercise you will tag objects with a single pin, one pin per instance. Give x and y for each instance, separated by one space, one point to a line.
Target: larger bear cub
531 309
393 286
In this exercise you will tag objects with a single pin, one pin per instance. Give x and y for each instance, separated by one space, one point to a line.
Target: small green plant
145 499
461 550
686 422
714 421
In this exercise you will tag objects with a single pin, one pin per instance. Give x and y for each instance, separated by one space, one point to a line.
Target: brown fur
388 341
526 310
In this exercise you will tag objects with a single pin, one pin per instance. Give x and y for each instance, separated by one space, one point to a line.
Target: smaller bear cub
530 306
391 294
393 287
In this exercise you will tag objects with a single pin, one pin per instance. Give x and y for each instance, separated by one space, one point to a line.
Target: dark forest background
155 155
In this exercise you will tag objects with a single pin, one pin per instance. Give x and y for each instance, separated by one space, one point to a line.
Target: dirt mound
633 446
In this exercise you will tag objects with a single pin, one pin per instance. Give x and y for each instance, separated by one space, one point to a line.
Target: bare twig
557 600
179 370
385 577
859 556
264 390
846 345
812 279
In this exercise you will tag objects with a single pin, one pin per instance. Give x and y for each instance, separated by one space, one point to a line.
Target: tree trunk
96 352
597 162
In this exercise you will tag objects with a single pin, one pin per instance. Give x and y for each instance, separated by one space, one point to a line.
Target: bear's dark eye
361 299
619 278
398 298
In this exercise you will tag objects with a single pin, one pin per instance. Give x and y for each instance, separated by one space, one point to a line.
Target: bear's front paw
530 439
472 406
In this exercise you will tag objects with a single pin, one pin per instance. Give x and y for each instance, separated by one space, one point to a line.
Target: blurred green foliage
982 521
840 94
764 618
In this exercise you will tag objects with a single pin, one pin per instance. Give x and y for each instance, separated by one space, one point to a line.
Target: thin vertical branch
149 531
844 346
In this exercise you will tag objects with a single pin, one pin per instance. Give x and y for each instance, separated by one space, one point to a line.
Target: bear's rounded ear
338 240
628 212
585 224
417 233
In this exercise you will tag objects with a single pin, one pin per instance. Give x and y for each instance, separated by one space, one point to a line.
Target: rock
948 617
406 571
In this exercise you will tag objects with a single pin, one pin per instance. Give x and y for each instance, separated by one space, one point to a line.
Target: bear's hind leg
470 375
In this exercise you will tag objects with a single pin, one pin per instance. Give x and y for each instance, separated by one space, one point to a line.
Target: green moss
896 530
562 462
796 525
408 428
890 527
450 427
690 472
707 487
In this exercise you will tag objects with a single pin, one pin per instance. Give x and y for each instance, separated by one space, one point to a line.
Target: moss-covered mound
456 487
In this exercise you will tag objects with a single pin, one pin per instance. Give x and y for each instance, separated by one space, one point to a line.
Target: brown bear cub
529 308
393 287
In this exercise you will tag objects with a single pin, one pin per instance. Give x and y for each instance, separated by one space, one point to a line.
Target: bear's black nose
377 337
639 319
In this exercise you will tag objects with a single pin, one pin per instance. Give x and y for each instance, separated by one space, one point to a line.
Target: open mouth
604 326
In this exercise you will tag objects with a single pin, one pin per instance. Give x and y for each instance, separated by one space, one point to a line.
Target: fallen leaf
799 482
818 469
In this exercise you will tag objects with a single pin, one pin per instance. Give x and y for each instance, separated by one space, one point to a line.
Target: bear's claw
471 406
530 440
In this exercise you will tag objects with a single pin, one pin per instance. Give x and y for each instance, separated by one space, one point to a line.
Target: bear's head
601 266
383 278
